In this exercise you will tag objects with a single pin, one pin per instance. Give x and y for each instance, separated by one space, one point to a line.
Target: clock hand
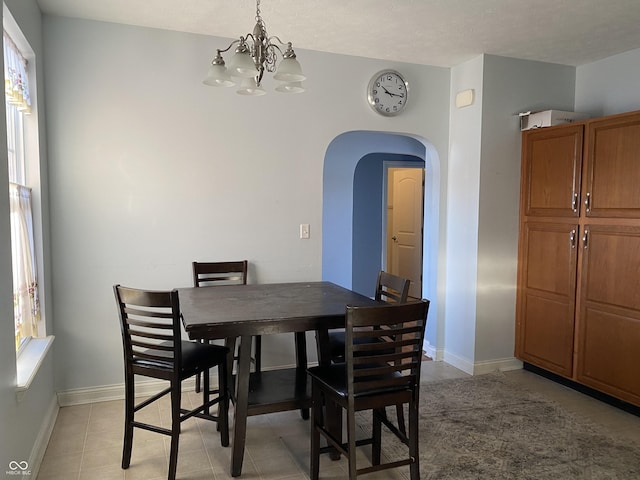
387 91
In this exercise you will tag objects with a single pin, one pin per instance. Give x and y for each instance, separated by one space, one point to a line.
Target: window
26 301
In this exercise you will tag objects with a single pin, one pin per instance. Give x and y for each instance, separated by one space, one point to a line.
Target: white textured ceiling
431 32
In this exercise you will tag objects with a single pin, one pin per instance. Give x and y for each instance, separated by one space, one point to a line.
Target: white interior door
404 223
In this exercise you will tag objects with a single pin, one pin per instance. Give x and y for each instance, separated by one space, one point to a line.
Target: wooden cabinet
547 295
551 171
608 333
578 301
612 167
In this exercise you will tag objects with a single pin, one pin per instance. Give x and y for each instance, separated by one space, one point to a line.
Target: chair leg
258 353
400 415
334 425
376 434
129 405
223 405
198 389
175 430
414 469
316 421
351 441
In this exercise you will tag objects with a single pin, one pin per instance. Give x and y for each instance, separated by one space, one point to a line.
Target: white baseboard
502 364
106 393
481 368
145 388
432 352
42 440
459 362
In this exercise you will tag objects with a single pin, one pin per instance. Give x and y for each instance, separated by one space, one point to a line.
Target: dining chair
389 289
152 345
382 368
206 274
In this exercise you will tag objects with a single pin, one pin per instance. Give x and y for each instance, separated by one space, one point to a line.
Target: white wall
151 170
462 217
609 86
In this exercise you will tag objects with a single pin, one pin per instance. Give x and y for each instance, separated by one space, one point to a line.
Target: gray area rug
486 427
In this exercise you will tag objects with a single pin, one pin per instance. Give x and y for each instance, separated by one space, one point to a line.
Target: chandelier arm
273 45
230 45
288 44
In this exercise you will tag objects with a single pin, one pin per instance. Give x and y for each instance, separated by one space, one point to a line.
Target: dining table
230 312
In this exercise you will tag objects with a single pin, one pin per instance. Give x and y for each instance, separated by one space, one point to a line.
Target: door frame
385 201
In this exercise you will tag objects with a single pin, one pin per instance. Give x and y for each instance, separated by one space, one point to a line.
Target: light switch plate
304 230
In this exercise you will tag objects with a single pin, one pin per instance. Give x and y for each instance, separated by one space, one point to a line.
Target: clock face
387 93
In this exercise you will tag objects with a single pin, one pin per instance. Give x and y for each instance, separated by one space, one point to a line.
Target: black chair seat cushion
196 357
334 377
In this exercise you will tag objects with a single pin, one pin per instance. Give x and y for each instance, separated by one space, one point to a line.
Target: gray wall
150 170
609 86
26 421
510 86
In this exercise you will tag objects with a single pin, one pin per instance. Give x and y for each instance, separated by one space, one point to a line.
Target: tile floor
87 440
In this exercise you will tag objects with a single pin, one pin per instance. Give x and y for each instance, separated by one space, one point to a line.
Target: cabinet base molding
603 397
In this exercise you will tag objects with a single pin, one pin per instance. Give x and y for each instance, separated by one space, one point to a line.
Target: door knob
395 239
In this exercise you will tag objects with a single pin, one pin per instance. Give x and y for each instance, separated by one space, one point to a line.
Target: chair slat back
150 326
384 346
219 273
391 288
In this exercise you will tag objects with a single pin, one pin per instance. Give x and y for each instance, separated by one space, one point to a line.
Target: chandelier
256 53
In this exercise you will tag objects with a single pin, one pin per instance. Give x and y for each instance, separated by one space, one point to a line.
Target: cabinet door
609 321
551 170
546 295
612 173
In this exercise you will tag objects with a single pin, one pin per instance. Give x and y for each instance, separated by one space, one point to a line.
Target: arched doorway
342 158
369 217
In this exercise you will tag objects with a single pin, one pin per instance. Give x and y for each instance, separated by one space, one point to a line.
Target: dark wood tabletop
235 310
232 311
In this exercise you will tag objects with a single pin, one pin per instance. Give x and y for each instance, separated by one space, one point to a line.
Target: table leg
230 343
242 405
301 362
322 345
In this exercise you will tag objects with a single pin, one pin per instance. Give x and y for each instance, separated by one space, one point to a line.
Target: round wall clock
387 92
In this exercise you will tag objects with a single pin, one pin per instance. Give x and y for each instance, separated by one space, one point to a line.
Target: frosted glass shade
289 70
290 87
218 77
242 65
250 87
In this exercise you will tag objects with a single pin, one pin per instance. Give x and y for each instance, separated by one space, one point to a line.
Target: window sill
29 361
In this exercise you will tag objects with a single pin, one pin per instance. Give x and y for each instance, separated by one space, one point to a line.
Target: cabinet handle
585 239
572 238
574 202
587 202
